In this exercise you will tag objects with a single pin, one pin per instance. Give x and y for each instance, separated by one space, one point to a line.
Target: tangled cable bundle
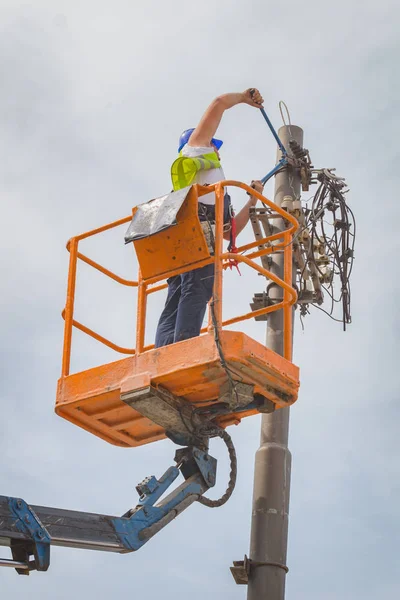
331 225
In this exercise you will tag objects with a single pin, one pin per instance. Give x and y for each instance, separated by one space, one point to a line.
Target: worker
189 293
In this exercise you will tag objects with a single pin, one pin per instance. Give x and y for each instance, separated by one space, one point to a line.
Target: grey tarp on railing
156 215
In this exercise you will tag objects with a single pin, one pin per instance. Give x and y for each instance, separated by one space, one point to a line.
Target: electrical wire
327 313
282 103
328 251
336 239
221 353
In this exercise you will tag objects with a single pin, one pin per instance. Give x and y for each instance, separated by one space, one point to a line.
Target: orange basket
190 369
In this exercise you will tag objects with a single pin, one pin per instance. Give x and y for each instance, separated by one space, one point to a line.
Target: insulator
287 203
304 236
297 205
297 150
293 144
297 210
309 285
322 260
327 275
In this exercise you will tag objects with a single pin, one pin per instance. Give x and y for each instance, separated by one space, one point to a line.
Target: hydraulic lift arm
31 530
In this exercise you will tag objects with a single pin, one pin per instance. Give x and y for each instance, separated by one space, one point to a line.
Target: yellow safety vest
184 169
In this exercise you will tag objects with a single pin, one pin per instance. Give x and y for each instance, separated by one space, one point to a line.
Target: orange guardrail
280 241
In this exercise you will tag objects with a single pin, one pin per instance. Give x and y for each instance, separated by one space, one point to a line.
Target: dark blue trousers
183 314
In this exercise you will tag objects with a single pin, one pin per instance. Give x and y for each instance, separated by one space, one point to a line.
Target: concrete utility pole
270 512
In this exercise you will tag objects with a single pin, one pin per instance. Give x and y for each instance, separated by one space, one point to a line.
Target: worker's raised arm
211 119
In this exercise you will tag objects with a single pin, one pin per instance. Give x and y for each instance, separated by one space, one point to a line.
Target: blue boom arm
31 530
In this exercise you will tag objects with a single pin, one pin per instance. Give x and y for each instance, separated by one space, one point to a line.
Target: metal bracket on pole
242 569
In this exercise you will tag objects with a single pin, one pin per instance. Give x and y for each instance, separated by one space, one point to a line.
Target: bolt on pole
270 511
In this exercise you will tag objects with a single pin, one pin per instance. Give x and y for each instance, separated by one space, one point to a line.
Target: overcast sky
93 98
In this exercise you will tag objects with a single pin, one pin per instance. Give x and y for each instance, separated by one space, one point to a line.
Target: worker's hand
259 187
253 98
